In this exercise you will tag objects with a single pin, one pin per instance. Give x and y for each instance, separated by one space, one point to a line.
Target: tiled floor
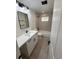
41 49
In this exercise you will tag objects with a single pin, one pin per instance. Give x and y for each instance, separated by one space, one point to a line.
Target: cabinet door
35 39
24 51
31 44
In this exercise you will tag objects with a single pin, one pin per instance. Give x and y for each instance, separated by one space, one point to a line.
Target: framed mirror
23 20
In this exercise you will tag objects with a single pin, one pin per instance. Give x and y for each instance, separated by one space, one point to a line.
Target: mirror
23 20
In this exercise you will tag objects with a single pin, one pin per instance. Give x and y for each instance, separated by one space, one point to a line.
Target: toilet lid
39 33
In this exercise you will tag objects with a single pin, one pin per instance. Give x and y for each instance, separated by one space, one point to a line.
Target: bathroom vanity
27 43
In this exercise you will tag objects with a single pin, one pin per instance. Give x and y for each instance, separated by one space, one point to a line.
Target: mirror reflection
23 20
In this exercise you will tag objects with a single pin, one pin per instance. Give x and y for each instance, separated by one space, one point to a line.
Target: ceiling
36 5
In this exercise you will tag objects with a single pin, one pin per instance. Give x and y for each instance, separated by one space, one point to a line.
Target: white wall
32 20
56 21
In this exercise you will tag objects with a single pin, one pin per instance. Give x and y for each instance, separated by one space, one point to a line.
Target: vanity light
21 5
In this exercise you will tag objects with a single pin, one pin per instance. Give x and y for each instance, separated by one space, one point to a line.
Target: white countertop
25 37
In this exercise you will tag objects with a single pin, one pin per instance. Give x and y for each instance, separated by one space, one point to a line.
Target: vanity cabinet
27 48
27 43
32 43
